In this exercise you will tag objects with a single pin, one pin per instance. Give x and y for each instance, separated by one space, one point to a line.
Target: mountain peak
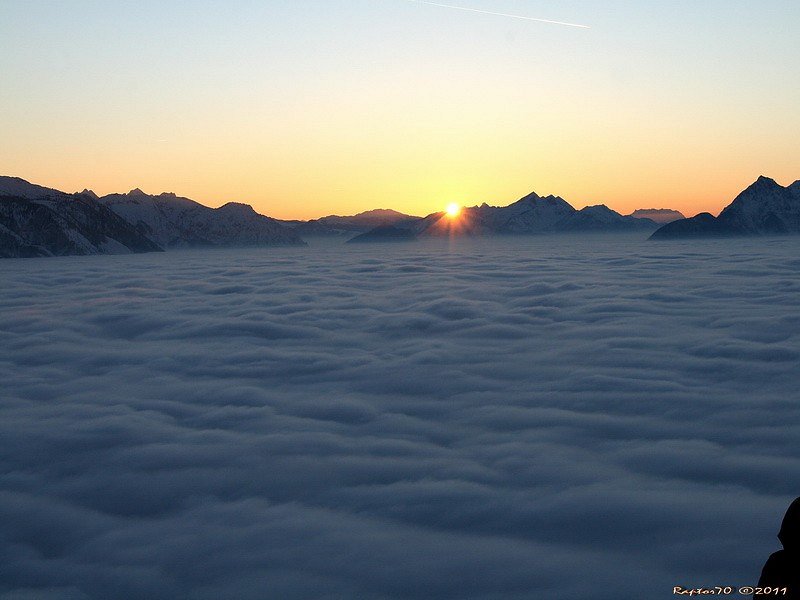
237 207
16 186
90 193
659 215
380 212
530 197
764 182
598 208
136 192
764 208
761 188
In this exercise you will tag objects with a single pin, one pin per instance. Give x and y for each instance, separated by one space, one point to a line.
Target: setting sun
453 209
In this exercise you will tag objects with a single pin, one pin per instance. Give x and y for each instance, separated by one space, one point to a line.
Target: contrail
497 14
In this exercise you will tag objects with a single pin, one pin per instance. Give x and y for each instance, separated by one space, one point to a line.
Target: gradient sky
310 107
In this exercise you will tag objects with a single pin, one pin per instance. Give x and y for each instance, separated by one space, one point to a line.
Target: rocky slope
38 221
764 208
175 222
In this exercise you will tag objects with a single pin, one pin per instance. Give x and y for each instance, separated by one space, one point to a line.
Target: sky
304 108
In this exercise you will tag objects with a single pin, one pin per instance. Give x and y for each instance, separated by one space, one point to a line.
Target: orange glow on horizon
375 105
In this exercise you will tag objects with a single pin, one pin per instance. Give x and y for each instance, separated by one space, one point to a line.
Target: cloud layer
552 417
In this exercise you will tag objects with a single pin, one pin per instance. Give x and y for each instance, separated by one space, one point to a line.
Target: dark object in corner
782 569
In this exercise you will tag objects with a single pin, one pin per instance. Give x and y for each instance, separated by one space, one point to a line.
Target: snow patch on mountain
175 222
764 208
39 221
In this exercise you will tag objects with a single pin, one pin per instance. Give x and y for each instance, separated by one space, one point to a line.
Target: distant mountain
173 222
384 233
16 186
530 215
763 208
347 225
39 221
659 215
602 218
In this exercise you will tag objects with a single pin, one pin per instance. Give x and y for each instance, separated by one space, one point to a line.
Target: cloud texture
527 418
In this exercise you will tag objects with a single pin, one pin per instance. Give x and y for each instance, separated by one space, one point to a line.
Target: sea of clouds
554 417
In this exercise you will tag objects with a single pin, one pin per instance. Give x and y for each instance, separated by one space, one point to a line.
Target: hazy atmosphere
315 107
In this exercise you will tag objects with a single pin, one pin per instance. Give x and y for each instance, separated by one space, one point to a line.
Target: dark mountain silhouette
174 221
39 221
602 218
347 225
384 233
532 214
137 222
16 186
659 215
764 208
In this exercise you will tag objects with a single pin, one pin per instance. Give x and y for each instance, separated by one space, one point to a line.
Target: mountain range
659 215
40 221
348 225
764 208
175 222
532 214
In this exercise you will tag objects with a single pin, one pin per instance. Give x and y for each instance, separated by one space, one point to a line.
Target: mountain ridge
531 214
40 221
175 221
763 208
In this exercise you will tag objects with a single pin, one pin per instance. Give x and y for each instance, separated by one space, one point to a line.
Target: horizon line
249 203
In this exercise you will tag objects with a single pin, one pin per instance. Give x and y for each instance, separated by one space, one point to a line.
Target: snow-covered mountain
659 215
602 218
530 215
16 186
173 221
765 207
39 221
61 223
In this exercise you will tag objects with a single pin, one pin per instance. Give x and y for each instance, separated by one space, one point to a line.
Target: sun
453 209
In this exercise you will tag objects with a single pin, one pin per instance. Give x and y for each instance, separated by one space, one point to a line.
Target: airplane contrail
498 14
